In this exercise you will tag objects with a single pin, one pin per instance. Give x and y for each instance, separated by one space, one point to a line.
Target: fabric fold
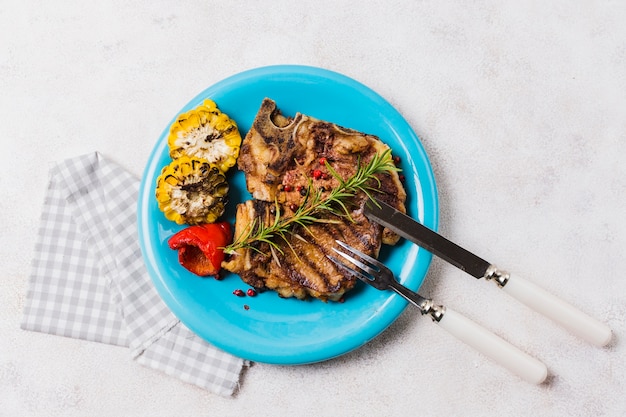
88 280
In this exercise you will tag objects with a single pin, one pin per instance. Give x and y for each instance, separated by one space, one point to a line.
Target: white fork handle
563 313
492 346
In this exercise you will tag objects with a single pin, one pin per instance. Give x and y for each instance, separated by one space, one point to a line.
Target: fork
376 274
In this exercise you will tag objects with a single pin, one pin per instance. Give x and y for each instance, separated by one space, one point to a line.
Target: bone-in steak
281 157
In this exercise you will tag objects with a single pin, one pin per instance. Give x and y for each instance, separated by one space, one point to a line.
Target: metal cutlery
376 274
524 291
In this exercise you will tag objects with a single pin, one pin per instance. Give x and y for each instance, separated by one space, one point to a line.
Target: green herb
316 204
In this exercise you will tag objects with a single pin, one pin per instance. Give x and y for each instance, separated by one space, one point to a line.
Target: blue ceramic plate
267 328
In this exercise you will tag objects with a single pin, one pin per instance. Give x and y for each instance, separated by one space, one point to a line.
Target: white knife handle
492 346
563 313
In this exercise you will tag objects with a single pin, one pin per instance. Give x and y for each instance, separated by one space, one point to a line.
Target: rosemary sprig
316 203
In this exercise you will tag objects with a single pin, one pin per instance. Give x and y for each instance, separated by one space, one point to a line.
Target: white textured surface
520 105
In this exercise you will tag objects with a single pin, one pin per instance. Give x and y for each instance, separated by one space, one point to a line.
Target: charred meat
284 160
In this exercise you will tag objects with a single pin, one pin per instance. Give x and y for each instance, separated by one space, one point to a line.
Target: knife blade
405 226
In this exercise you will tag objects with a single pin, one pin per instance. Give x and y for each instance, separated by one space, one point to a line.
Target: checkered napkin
88 280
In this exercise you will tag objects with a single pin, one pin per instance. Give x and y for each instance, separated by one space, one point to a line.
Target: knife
535 297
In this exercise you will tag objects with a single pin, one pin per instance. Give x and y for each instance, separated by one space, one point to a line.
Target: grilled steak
281 157
302 268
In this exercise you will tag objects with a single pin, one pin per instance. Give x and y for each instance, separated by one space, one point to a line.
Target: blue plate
267 328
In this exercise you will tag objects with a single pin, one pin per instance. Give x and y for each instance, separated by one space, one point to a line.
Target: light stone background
520 105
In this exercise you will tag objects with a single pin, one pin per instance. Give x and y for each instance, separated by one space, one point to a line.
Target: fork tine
368 258
363 266
346 268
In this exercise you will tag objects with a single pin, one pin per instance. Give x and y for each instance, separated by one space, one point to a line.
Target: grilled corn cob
191 190
205 132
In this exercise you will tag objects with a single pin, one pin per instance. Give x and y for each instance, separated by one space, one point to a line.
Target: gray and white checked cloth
88 280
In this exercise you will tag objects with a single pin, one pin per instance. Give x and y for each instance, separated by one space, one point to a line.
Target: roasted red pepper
200 247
